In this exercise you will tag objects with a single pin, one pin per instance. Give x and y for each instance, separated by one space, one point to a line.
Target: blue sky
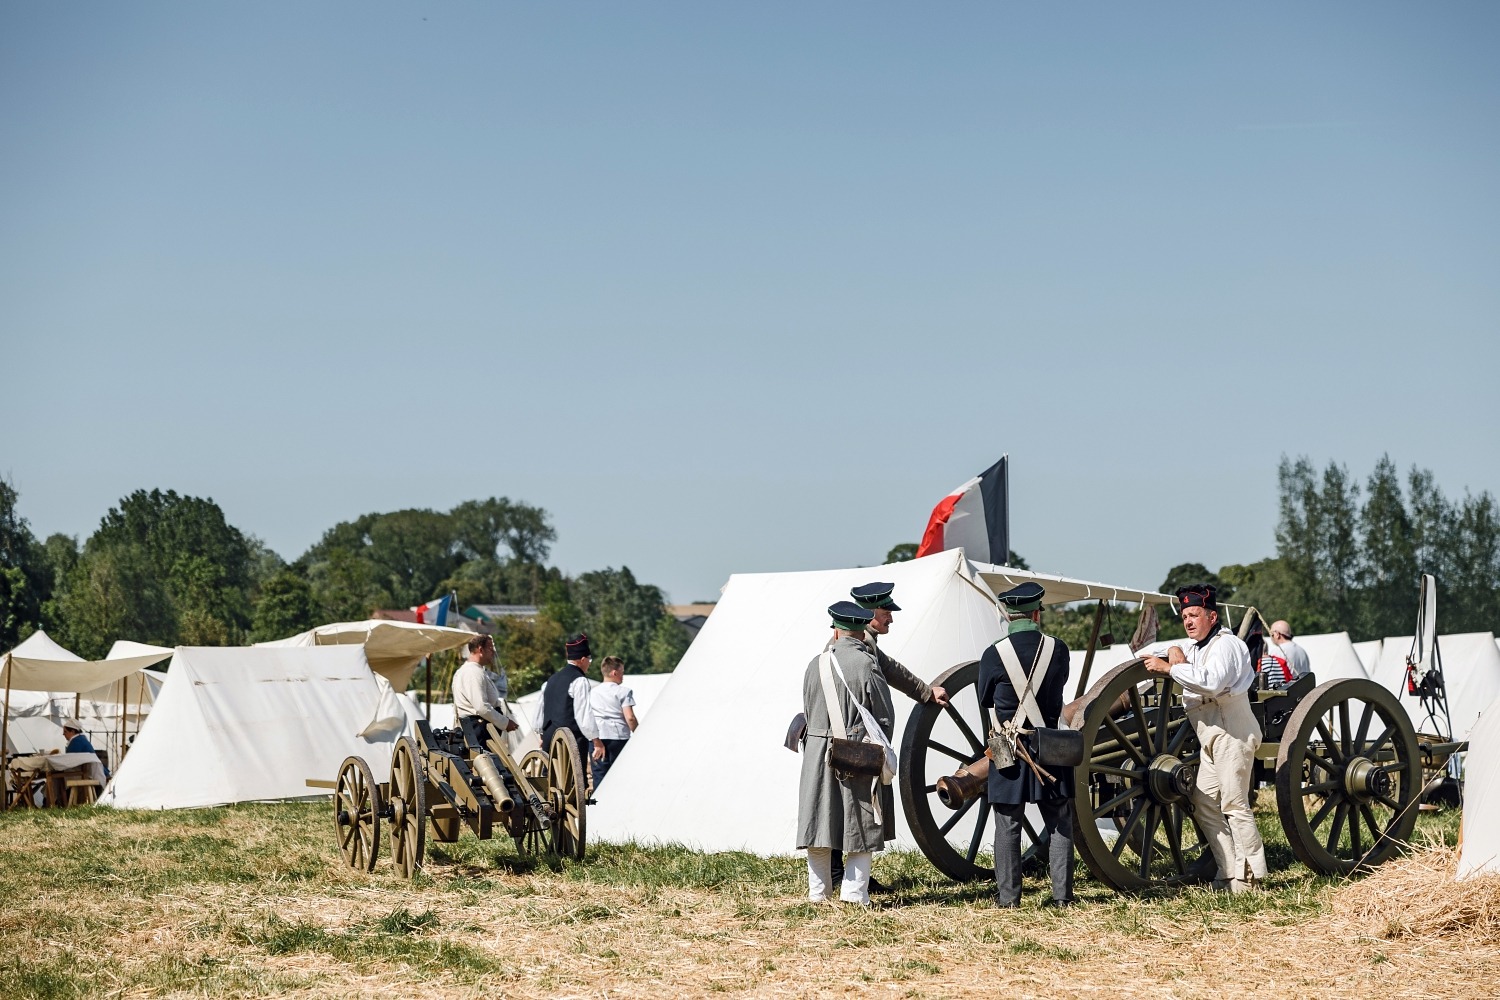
748 287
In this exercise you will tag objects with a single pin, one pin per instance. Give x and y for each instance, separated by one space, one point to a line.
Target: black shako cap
875 595
1198 595
1026 597
577 647
850 616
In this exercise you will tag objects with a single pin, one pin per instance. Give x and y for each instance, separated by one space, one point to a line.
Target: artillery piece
462 777
1344 758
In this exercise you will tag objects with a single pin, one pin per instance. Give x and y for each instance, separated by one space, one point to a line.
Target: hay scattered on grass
1416 897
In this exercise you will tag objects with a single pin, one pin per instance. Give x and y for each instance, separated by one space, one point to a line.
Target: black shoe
1070 901
878 886
1006 906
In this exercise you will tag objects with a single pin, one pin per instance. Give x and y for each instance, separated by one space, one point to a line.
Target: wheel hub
398 812
1363 779
1168 779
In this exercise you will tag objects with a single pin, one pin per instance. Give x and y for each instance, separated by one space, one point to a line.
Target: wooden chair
82 791
22 789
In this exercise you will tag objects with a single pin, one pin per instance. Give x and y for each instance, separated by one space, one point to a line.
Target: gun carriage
460 777
1346 763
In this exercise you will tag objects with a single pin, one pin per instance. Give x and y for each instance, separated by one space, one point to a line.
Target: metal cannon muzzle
489 773
968 782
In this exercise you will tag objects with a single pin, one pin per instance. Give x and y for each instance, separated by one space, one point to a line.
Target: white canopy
33 734
1330 654
393 649
1479 838
39 664
708 769
1471 671
251 723
1062 589
1369 655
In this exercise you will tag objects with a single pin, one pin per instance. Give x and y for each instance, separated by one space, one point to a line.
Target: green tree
669 642
1474 577
286 607
531 651
619 614
1388 569
1187 574
903 552
114 592
25 580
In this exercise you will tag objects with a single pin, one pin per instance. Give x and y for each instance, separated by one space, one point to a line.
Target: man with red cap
1216 676
565 700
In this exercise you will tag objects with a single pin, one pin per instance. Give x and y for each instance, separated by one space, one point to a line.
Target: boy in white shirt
614 713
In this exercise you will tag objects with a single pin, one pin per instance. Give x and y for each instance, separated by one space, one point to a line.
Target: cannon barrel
489 773
968 782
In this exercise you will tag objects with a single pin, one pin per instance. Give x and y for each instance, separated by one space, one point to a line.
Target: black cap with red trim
1199 595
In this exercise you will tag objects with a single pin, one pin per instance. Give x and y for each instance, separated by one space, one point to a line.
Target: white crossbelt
1023 684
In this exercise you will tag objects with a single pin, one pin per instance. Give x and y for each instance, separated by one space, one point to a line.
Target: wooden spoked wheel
356 814
1348 777
408 808
533 837
1133 821
568 797
936 742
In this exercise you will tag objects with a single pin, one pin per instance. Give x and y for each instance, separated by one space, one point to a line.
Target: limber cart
461 777
1344 758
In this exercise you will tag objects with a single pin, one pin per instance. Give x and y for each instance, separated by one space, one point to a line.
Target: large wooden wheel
533 837
356 814
1134 827
408 807
958 837
568 796
1348 777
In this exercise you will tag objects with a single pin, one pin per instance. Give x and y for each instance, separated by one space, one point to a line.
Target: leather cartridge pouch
855 758
1059 747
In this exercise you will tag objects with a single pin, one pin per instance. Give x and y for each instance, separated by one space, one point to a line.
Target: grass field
253 901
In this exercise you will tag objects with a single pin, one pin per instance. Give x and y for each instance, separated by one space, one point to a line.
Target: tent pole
5 719
427 701
1088 657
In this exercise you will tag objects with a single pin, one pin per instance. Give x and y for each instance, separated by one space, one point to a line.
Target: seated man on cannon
474 693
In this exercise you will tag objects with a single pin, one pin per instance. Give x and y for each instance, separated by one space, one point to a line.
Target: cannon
1346 763
460 777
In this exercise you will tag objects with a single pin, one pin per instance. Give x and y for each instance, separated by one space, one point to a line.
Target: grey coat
833 813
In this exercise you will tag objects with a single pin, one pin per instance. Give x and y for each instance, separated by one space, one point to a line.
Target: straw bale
1417 896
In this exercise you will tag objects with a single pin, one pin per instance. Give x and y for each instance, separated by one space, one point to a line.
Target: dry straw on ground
1416 897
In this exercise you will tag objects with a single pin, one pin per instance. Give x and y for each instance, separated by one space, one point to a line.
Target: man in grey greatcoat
854 814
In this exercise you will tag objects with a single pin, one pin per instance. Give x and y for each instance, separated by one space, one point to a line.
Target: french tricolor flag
434 612
973 517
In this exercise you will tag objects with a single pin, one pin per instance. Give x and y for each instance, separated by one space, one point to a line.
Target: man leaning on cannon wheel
1216 676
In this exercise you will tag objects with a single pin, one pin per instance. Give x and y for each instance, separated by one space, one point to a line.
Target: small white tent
245 724
1471 671
1479 853
1331 655
1369 655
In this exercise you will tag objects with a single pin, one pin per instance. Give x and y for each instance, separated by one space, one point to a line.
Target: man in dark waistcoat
1011 788
565 700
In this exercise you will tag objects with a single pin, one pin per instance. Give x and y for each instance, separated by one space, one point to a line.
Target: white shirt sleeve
475 694
539 718
1215 670
583 711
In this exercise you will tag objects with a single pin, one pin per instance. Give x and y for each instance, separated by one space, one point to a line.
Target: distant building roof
681 611
495 612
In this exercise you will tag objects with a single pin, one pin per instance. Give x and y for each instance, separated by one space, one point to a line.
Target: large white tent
1331 656
245 724
1471 671
710 770
1479 853
1369 655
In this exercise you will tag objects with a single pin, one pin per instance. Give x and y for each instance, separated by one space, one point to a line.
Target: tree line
170 570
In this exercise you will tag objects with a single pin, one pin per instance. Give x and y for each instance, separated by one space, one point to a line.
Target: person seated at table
78 742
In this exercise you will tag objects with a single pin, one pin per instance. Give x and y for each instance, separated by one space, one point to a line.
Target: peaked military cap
875 595
850 616
1026 597
1199 595
577 646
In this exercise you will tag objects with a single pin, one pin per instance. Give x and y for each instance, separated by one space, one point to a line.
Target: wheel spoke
963 727
1179 737
1117 801
1174 836
1364 724
941 748
1390 804
1129 827
953 820
1163 713
1354 834
1153 817
1338 827
1329 741
1380 741
1138 708
1320 787
1347 737
1125 742
1322 762
1376 830
1328 806
984 815
1118 772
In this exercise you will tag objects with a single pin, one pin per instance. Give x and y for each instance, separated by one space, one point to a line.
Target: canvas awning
39 664
393 648
1063 590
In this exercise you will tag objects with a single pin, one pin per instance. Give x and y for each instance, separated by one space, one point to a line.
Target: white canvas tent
710 770
1331 655
1479 853
1471 671
1369 655
646 688
251 723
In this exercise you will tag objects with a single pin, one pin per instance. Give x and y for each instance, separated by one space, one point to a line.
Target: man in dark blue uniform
1011 788
565 700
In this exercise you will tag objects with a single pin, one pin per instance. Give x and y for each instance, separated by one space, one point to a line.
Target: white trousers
1229 736
856 885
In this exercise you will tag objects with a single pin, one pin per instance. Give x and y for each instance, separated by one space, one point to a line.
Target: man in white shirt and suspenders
1216 677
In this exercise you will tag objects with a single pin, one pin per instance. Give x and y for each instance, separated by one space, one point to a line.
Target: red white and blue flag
434 612
974 517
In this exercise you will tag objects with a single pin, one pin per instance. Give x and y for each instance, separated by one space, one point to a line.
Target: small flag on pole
975 517
434 612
